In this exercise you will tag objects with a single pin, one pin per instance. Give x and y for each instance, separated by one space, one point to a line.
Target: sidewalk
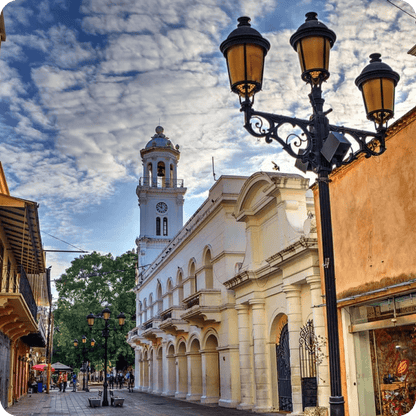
69 403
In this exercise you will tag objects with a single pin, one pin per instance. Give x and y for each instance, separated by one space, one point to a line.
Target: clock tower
160 195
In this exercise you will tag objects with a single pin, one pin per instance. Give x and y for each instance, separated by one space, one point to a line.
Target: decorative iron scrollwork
303 146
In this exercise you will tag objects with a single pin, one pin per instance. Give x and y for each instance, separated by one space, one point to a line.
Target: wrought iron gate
283 371
307 355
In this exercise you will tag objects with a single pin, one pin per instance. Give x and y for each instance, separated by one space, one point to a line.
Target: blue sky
84 83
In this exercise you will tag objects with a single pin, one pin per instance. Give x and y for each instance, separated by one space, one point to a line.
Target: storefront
381 342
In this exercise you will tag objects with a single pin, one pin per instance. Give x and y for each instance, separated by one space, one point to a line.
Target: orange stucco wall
373 203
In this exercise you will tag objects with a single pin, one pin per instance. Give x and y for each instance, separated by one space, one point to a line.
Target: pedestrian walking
111 379
131 382
74 382
60 381
64 381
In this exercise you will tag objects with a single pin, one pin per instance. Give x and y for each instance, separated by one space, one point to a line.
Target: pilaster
320 331
294 321
261 369
246 370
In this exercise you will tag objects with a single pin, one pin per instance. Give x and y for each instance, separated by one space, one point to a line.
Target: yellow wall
373 204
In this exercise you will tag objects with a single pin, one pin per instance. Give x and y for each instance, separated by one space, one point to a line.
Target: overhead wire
404 11
69 244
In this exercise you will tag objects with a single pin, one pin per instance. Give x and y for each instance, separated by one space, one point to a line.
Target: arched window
158 226
145 310
209 281
180 287
165 226
169 292
150 306
194 283
159 299
149 179
161 175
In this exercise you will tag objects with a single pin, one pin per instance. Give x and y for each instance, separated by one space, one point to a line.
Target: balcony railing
192 302
161 182
167 315
148 326
26 291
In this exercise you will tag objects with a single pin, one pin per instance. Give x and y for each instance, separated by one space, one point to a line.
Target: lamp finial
243 21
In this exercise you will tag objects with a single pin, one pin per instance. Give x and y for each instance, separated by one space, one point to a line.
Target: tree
93 282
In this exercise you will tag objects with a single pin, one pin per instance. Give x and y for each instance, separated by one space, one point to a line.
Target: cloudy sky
84 83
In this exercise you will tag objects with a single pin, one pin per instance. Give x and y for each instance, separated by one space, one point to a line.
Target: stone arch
277 325
181 370
252 191
194 370
211 382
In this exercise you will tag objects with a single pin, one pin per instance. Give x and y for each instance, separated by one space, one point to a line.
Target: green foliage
93 282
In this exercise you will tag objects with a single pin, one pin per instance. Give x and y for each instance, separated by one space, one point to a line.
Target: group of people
62 381
120 379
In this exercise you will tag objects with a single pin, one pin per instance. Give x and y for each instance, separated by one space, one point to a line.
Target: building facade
373 205
230 311
24 285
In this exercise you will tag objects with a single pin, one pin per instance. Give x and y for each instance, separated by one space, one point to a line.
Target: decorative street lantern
320 147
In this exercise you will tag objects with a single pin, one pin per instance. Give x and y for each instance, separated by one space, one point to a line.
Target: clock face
161 207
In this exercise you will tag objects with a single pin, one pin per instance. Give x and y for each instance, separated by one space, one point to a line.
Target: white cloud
97 102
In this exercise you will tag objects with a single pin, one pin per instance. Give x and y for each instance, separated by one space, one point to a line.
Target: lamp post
85 362
321 147
105 314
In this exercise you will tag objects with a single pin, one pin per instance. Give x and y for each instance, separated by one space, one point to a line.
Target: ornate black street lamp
85 362
321 147
105 314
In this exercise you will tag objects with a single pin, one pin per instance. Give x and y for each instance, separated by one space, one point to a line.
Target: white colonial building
230 310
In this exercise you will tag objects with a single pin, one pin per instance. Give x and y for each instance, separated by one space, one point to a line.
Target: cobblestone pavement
69 403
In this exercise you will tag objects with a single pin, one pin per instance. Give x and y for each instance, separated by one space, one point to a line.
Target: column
210 376
154 172
194 376
246 370
168 183
159 366
181 375
261 369
170 379
137 368
12 371
319 328
294 318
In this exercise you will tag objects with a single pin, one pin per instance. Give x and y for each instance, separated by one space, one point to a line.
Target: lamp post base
105 395
336 405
